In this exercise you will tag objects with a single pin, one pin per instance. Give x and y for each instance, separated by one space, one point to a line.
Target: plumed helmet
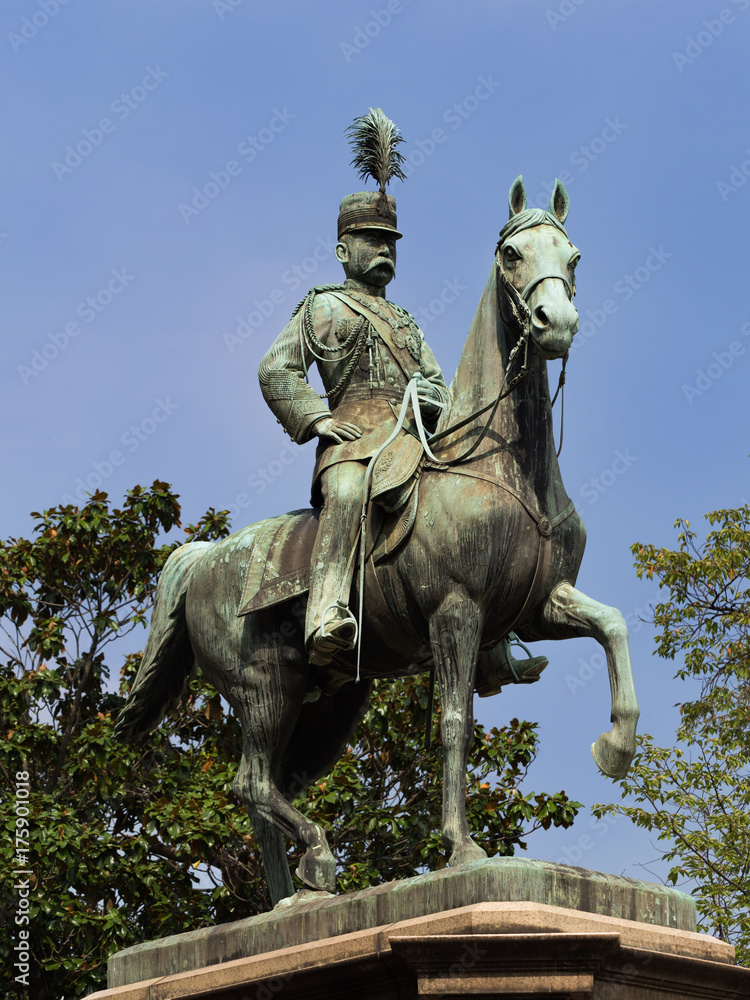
374 140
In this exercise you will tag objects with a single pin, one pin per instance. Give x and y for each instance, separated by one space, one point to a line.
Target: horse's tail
168 659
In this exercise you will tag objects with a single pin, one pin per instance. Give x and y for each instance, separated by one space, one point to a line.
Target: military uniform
366 349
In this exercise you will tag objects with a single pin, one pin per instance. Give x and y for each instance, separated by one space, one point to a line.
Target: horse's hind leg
275 859
323 729
568 613
268 701
256 786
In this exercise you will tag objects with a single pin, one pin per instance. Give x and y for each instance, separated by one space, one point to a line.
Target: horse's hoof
467 853
303 896
317 869
612 761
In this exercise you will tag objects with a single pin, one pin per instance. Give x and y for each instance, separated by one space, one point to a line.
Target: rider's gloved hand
338 430
430 397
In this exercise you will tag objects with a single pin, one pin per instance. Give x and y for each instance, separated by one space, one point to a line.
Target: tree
696 796
124 844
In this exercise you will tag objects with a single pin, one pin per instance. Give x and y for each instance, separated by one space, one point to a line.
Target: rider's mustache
379 261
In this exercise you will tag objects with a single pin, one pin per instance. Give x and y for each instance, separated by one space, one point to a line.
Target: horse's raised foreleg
568 613
455 631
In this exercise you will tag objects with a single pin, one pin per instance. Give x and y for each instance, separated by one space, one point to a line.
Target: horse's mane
527 219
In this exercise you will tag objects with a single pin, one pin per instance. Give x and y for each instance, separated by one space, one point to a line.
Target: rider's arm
438 389
282 374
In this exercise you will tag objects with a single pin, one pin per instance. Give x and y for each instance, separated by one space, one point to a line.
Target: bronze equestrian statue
481 541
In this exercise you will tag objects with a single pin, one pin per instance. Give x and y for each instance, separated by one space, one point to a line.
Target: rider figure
366 349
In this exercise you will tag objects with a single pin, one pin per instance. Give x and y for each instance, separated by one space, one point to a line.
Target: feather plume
374 139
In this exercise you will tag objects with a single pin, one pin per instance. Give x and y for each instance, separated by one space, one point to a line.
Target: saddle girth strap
544 524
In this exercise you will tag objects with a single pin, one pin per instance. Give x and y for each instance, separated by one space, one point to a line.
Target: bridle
519 305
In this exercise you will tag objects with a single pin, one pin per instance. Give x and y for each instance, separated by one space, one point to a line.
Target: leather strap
544 524
536 590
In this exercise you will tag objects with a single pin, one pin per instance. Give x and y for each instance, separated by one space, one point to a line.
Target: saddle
280 561
396 472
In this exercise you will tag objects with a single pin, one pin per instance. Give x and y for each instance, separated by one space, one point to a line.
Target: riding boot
329 626
496 667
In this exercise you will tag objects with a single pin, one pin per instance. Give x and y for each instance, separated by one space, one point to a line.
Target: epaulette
401 309
314 291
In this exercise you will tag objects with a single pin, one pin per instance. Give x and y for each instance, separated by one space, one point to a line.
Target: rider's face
368 255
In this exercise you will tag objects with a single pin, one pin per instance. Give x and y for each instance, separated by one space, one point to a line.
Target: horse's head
537 264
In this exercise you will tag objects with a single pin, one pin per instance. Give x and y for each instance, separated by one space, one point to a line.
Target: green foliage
382 802
696 796
132 843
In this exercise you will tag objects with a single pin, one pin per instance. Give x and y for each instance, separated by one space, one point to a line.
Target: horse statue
492 545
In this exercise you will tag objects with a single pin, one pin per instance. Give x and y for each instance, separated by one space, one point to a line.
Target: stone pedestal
500 928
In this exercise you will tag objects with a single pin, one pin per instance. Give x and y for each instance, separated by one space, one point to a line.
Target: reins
522 314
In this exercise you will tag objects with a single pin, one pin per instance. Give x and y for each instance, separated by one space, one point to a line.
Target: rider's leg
332 564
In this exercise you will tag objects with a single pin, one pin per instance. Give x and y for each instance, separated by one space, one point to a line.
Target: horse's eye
510 253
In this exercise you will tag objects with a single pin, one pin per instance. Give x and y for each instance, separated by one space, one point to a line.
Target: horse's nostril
540 316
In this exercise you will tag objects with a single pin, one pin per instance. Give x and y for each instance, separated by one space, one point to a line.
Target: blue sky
172 179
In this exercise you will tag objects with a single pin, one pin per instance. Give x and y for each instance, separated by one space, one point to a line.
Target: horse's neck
519 447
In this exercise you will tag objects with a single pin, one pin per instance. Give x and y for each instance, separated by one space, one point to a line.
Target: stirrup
533 665
325 644
347 617
513 640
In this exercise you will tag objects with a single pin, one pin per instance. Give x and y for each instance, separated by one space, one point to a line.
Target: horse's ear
559 203
517 197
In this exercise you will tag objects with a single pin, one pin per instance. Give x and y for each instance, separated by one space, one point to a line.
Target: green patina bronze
470 537
495 880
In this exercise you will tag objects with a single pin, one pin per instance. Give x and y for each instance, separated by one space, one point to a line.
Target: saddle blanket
280 562
282 549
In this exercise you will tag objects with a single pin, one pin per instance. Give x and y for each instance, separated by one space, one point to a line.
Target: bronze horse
495 546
